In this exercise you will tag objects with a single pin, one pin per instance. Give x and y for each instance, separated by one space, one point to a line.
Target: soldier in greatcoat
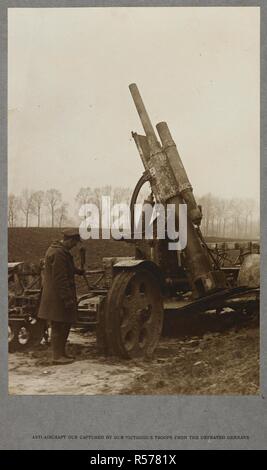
58 300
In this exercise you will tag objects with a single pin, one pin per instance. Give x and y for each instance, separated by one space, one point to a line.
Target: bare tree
84 196
38 200
26 204
225 213
53 198
62 214
13 209
98 193
122 195
250 211
237 210
206 202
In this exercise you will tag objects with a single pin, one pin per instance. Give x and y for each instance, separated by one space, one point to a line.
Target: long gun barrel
140 107
170 184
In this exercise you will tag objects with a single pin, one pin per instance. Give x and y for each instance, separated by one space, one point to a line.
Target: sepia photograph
134 201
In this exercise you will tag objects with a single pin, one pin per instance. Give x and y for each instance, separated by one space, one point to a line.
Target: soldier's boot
58 343
62 361
65 334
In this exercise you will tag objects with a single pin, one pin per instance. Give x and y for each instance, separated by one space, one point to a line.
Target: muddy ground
211 360
214 363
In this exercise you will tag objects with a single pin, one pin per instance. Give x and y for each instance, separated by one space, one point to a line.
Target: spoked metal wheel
23 335
11 334
13 330
134 314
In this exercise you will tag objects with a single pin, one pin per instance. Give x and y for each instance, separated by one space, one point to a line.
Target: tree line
47 208
35 203
235 217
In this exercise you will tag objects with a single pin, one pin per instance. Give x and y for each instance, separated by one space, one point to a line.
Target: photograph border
90 417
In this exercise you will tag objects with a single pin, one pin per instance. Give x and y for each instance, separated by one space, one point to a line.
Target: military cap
71 233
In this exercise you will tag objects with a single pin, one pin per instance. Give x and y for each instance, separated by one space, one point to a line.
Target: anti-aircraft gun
170 185
136 292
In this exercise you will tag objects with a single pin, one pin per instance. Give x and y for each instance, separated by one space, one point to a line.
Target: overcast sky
71 113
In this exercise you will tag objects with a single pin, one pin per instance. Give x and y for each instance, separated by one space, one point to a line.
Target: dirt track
216 363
